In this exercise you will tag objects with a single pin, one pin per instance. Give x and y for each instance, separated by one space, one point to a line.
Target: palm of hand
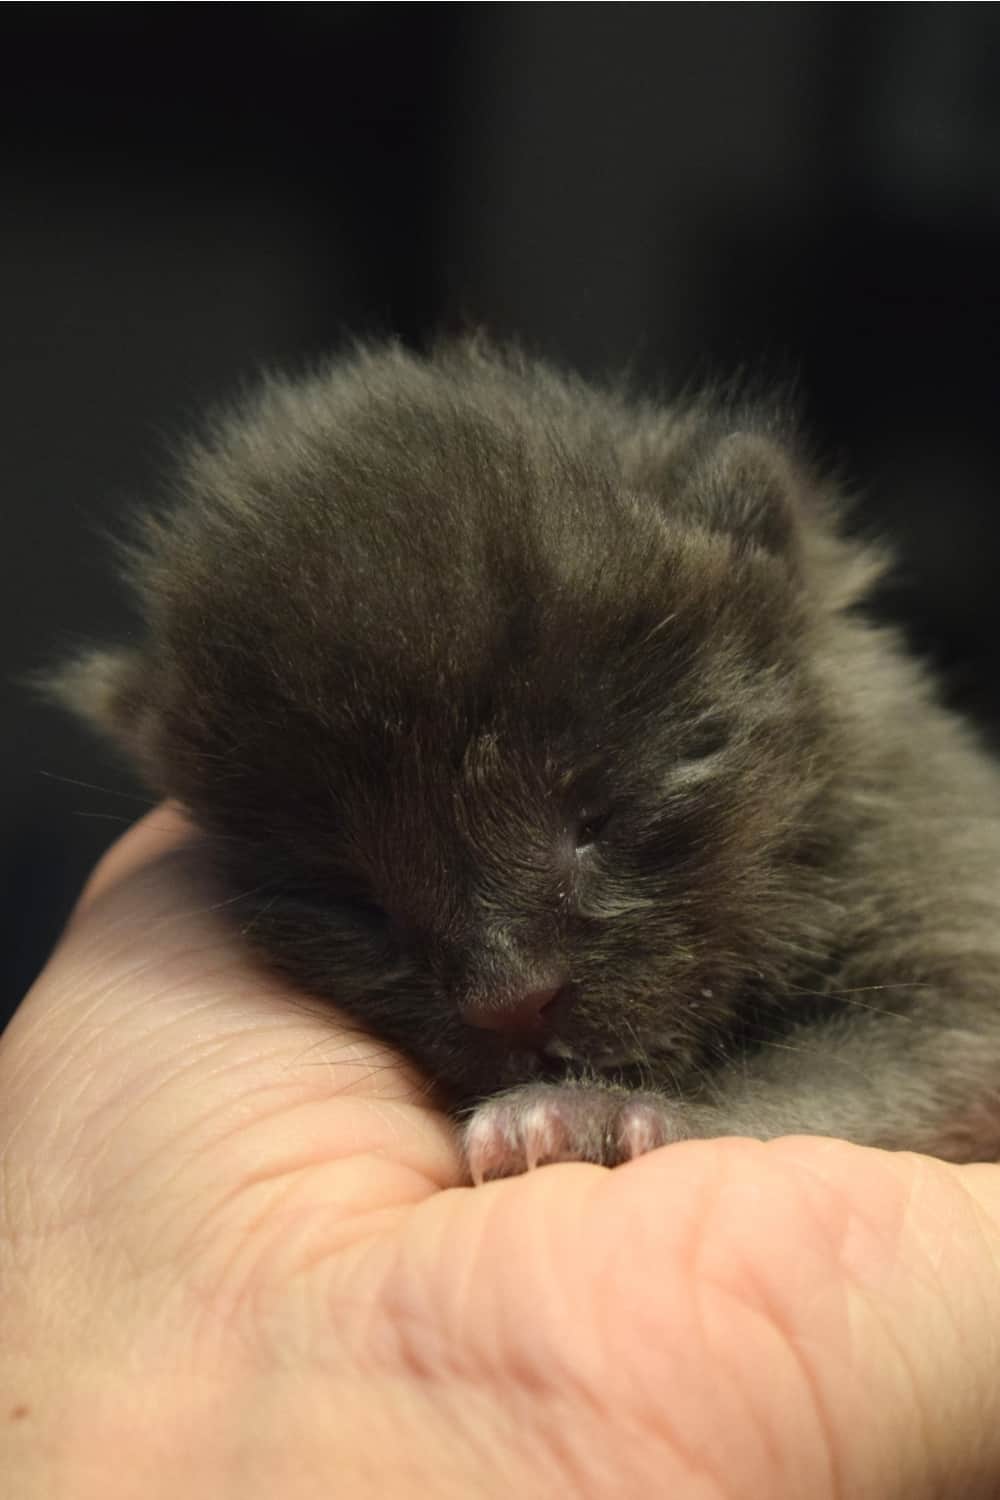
249 1218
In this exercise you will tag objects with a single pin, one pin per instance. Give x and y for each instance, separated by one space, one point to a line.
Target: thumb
156 1050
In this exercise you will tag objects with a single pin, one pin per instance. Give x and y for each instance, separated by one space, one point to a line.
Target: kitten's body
543 733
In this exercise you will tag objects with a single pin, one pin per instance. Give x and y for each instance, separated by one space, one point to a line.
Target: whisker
875 1010
864 989
261 912
90 786
858 1005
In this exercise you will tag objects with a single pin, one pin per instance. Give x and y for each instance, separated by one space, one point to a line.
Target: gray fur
409 625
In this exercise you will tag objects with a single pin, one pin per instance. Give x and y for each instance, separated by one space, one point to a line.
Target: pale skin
235 1261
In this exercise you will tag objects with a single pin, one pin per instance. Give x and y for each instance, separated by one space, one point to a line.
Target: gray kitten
538 729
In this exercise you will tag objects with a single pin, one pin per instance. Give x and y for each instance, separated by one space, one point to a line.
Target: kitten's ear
747 487
108 689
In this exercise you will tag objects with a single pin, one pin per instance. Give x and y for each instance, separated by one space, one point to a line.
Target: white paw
546 1122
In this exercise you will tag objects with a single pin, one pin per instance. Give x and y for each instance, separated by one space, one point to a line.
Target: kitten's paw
547 1122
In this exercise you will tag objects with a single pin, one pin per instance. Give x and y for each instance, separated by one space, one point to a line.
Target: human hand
235 1261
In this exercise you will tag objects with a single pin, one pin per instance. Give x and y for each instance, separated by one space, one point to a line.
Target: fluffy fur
484 682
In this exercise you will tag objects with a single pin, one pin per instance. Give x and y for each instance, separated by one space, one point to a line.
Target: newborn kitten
537 728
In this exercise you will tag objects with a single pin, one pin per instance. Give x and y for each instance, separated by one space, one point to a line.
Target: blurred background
191 192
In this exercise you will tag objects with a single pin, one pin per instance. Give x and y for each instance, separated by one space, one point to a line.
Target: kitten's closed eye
335 906
706 737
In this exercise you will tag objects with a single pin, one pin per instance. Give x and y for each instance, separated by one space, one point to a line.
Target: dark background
189 192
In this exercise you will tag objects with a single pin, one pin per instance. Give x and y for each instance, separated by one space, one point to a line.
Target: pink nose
517 1015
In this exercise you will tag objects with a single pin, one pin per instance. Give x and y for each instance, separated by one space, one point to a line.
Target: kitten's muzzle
525 1018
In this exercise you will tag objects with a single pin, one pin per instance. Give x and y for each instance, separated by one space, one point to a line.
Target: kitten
537 727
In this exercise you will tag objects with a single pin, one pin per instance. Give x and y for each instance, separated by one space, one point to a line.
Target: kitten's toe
516 1132
643 1123
544 1123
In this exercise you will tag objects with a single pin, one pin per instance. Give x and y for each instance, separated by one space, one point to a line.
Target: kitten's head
498 700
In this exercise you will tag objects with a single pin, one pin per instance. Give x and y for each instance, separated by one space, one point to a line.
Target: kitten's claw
544 1123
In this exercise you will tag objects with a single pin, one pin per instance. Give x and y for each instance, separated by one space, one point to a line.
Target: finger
800 1317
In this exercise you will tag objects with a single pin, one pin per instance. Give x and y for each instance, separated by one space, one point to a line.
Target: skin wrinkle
771 1302
925 1410
877 1316
24 1076
920 1424
943 1309
717 1228
250 1025
527 1390
728 1403
139 1165
701 1230
196 1055
438 1345
987 1225
535 1376
116 979
553 1464
303 1153
215 1148
320 1150
784 1433
277 1243
861 1239
173 1081
696 1459
760 1307
284 1244
563 1301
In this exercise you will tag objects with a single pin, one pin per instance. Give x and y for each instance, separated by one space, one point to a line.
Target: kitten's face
607 803
497 697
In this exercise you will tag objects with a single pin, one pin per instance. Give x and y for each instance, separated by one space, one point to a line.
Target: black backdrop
189 192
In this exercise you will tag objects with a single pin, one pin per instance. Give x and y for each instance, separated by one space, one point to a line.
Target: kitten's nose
518 1016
